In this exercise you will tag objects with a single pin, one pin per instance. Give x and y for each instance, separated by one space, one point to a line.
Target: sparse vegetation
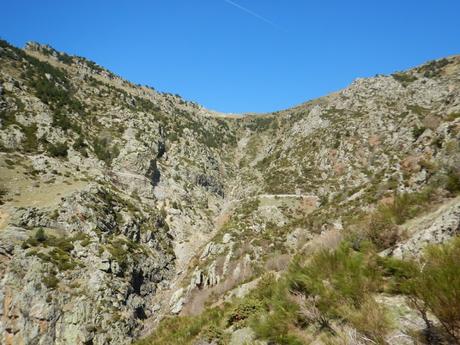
433 68
3 193
58 249
50 281
404 78
105 150
331 288
58 150
433 285
453 181
417 132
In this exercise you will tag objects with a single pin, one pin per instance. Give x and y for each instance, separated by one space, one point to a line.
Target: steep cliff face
120 204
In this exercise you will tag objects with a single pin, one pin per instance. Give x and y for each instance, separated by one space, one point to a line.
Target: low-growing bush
105 150
381 230
242 310
381 226
417 132
50 281
58 150
80 146
436 287
337 277
40 235
404 78
184 330
30 142
40 238
3 193
371 319
453 181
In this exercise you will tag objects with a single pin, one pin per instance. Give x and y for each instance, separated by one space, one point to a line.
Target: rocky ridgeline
120 204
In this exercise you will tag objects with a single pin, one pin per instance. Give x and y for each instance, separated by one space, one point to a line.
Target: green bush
3 193
59 255
453 181
406 206
61 259
55 91
381 230
279 312
337 277
185 330
30 142
80 146
452 116
58 150
104 150
437 285
417 132
433 68
404 78
242 310
50 281
40 236
371 319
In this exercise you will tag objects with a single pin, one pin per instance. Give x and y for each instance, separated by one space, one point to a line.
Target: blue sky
242 55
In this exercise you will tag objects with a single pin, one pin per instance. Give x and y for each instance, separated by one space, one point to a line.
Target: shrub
3 193
381 230
40 235
408 205
30 142
61 120
417 132
58 150
56 92
433 68
404 78
452 116
453 181
104 150
80 146
242 311
371 319
437 285
61 259
185 330
336 277
50 281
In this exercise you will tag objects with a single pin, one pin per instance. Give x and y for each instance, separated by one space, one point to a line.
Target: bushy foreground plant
338 286
339 276
434 285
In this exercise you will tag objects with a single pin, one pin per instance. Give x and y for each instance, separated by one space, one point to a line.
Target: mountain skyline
228 57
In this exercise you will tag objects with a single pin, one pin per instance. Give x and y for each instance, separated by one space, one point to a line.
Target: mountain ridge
121 205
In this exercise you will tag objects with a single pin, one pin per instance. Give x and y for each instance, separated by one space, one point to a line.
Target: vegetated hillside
122 206
336 186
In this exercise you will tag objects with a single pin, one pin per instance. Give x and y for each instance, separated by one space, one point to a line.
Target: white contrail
268 21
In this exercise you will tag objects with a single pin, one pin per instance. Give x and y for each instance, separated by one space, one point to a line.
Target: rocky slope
104 184
121 205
